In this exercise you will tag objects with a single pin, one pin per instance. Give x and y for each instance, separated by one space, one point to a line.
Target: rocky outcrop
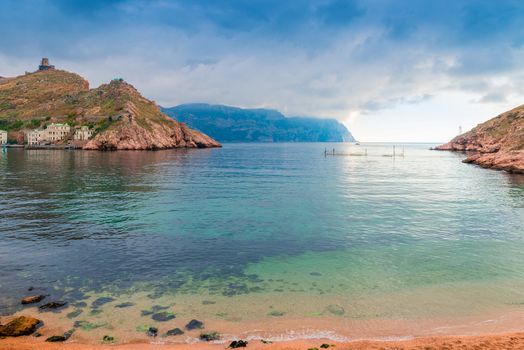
120 117
32 299
20 326
496 144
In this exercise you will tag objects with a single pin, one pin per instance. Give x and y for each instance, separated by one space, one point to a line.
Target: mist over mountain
233 124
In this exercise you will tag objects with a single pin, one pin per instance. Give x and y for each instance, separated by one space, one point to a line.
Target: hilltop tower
44 65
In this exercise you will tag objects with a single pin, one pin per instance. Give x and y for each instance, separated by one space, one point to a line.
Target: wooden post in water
366 152
393 151
333 151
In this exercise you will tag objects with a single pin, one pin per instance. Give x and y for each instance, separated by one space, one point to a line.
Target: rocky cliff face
233 124
497 143
121 117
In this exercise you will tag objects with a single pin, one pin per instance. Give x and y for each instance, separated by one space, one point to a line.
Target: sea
271 241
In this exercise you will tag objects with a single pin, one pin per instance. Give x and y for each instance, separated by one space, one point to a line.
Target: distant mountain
232 124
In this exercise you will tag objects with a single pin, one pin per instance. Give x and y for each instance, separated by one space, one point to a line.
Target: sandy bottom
499 341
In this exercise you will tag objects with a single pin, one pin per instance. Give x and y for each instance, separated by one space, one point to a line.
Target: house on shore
83 134
57 131
35 137
3 137
53 133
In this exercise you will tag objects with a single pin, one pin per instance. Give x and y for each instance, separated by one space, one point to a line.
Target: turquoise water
300 233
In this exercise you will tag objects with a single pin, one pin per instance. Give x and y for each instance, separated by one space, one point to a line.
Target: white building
56 132
83 134
3 137
35 137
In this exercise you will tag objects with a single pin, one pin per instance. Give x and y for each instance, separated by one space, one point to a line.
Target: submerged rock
175 331
74 314
108 339
152 331
54 305
124 305
157 308
194 324
20 326
32 299
56 338
101 301
276 313
336 310
88 326
210 336
60 338
163 316
238 344
80 304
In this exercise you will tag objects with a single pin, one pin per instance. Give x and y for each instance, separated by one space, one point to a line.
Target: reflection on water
256 219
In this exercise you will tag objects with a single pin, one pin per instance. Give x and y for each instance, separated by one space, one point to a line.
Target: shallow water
253 233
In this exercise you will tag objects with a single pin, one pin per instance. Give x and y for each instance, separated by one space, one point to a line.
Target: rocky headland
233 124
121 118
496 144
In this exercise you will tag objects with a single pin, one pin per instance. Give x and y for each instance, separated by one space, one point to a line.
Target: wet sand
497 341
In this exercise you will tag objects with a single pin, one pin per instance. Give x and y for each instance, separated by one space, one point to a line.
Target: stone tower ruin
44 65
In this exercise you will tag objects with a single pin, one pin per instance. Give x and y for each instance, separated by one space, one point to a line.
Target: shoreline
282 334
484 341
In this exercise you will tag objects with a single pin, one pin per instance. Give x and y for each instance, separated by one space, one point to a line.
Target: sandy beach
496 341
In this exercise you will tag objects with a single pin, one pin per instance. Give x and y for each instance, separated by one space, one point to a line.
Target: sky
390 70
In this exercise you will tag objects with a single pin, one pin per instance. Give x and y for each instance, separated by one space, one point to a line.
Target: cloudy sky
391 70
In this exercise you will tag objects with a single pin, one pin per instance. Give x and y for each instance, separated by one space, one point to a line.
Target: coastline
486 341
502 330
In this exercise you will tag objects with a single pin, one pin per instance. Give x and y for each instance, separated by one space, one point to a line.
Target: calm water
302 234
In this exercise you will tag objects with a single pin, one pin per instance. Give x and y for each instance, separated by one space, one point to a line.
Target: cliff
232 124
497 143
121 117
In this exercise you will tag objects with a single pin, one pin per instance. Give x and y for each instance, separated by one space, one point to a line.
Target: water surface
262 232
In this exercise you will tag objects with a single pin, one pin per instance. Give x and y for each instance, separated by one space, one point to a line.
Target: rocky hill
232 124
497 143
121 117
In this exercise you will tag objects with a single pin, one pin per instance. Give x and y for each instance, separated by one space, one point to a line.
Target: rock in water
336 310
163 316
22 325
175 331
194 324
56 339
152 331
238 344
32 299
101 301
53 305
210 336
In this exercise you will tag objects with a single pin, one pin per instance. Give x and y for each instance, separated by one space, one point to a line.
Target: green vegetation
103 124
11 125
